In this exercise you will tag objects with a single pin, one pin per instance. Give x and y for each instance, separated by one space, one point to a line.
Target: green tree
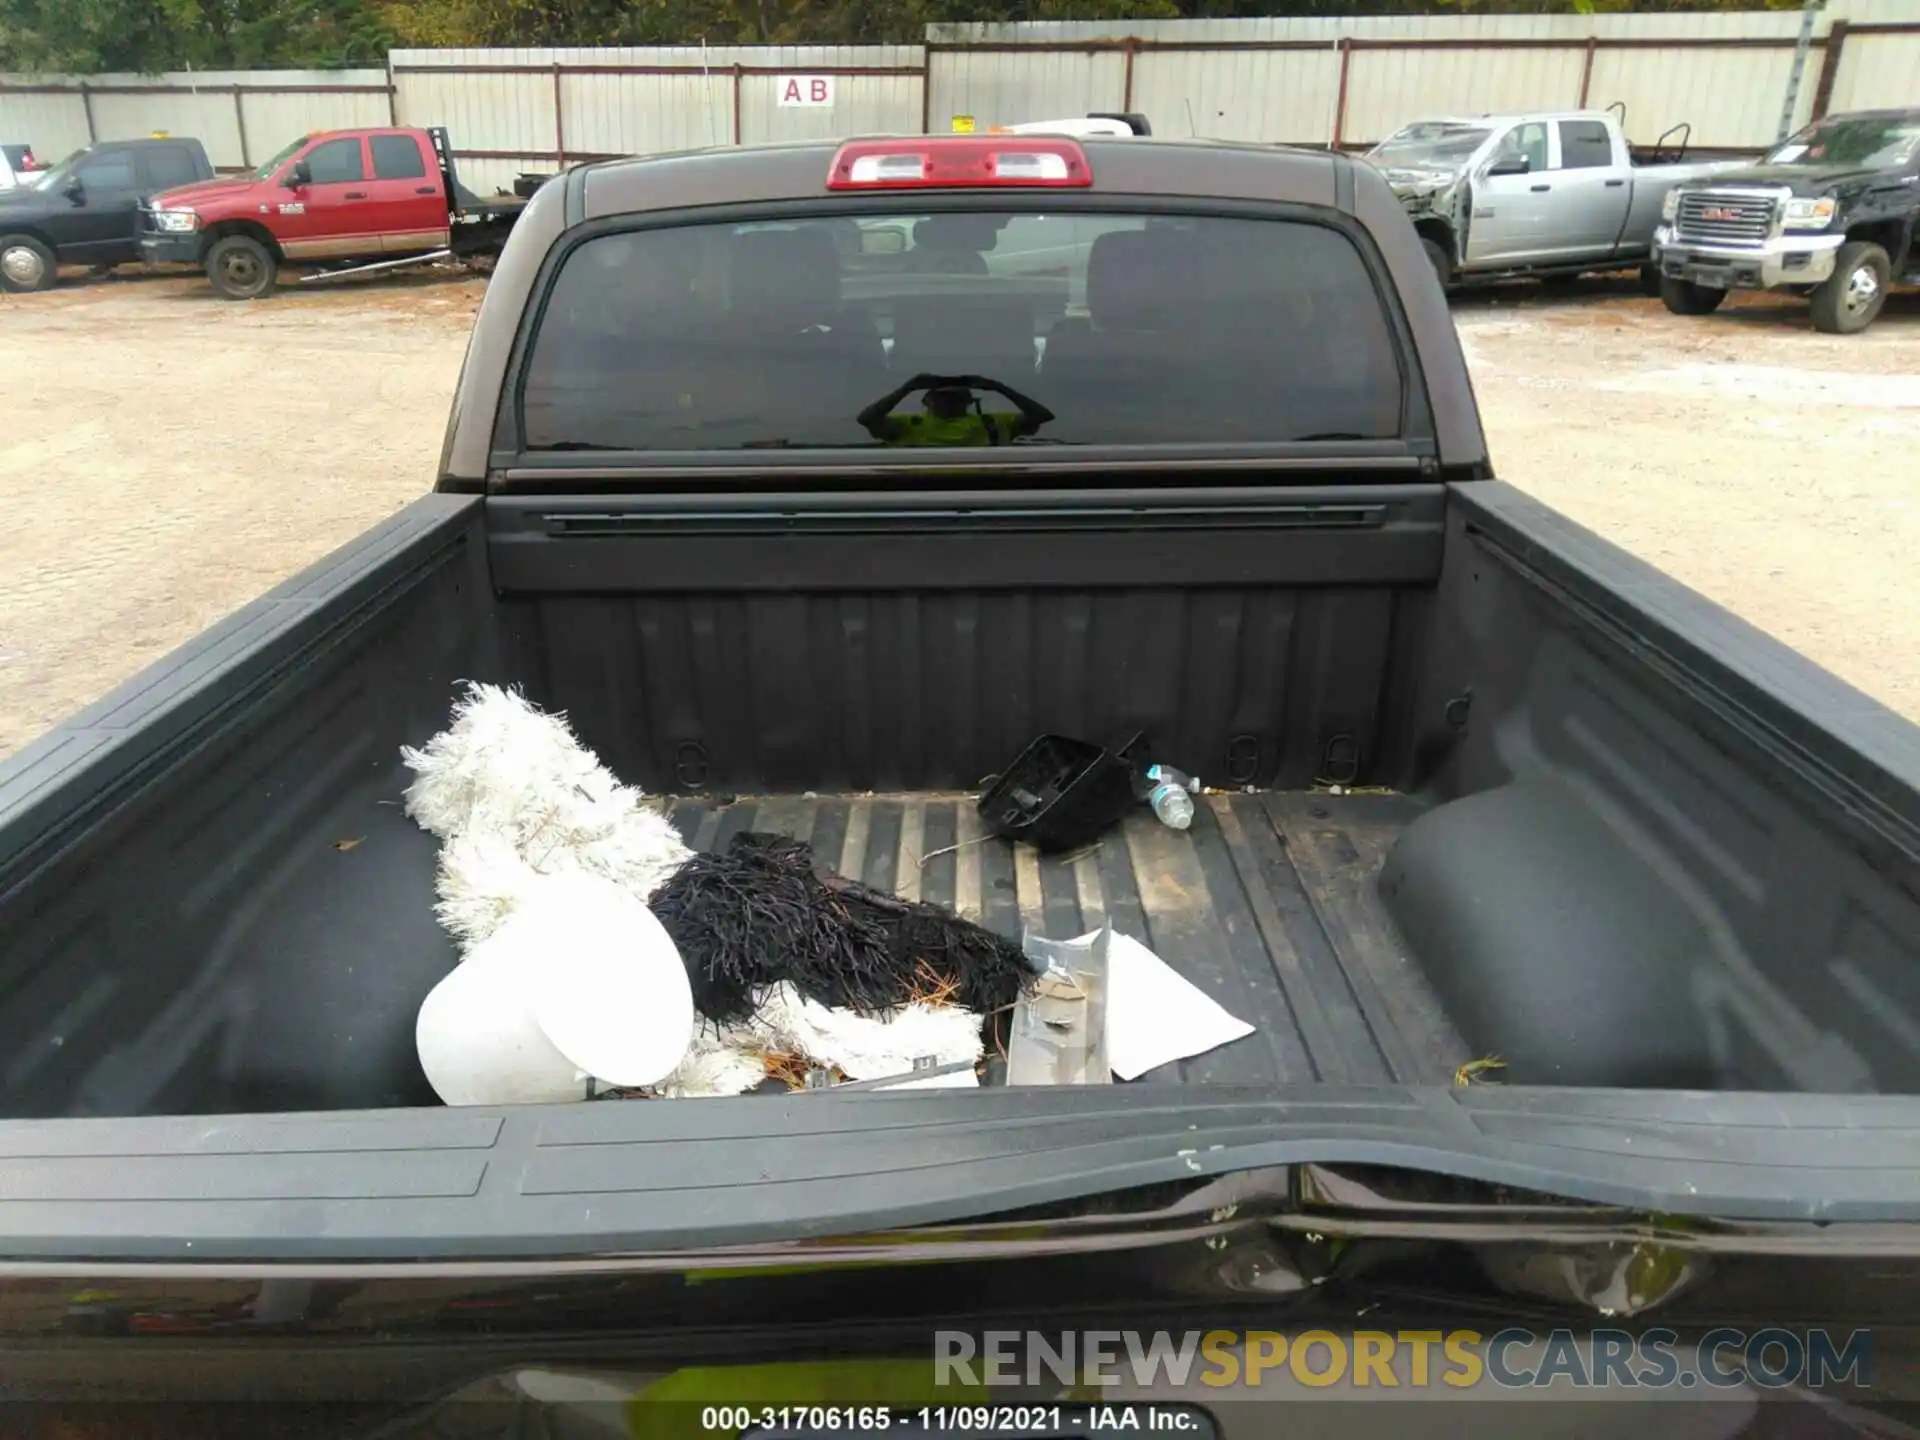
148 36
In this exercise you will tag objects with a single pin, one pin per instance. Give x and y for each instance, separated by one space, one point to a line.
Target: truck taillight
967 160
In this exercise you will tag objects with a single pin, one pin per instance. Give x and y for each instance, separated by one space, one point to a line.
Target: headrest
788 273
1136 279
957 232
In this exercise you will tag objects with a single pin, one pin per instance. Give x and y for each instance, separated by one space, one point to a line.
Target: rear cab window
1119 327
1585 145
165 166
397 157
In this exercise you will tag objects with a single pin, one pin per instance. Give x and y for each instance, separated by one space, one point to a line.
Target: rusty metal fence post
1829 68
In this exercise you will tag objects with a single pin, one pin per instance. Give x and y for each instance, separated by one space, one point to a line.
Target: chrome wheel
23 266
1863 288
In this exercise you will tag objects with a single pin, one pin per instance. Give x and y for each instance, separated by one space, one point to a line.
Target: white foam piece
580 982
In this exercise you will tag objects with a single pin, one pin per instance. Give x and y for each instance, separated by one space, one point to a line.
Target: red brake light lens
967 161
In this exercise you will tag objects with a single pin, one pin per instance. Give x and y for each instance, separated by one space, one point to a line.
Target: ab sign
806 91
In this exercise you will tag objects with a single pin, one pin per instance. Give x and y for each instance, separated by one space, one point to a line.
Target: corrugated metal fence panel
208 116
198 104
1730 92
509 117
510 114
646 114
1877 71
275 120
1238 94
501 103
1387 88
1730 95
1253 95
55 125
1009 87
863 104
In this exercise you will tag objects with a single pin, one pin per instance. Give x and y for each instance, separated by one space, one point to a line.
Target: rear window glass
976 328
397 157
170 165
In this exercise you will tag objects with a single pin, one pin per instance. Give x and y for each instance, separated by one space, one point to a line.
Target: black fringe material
759 913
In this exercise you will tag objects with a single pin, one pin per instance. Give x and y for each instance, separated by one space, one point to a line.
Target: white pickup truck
1555 194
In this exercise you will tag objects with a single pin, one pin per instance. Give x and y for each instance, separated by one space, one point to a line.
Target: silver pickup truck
1553 194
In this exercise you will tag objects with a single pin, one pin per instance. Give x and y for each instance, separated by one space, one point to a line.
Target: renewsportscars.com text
1509 1359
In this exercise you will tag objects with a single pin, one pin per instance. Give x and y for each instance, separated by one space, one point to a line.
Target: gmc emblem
1713 213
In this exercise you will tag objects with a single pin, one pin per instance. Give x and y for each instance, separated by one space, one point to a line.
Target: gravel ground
166 457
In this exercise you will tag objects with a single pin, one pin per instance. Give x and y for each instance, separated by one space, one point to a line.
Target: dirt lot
165 457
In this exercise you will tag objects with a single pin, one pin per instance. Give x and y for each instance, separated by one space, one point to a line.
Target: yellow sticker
963 124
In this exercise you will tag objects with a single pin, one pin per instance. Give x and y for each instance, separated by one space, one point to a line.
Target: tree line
149 36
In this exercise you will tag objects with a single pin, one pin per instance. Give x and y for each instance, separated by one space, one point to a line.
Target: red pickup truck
350 202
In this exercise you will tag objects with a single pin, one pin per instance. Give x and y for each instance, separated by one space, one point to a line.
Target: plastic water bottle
1172 795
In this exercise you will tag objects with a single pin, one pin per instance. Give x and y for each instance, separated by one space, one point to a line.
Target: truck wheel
25 264
1437 257
1683 297
1851 300
241 268
1650 281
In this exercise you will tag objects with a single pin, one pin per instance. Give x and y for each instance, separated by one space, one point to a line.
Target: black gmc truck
1578 922
1828 214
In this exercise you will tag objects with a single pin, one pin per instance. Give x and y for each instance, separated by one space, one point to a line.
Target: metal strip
1089 891
240 125
1317 1035
1345 47
1026 888
84 89
968 834
1516 42
1830 62
848 71
907 870
853 850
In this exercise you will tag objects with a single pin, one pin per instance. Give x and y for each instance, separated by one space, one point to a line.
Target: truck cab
1828 213
85 210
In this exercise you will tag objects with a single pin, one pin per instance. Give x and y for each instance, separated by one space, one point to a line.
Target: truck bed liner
1267 904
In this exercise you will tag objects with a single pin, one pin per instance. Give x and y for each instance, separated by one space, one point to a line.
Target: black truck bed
1267 904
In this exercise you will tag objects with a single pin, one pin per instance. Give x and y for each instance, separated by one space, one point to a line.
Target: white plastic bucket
580 983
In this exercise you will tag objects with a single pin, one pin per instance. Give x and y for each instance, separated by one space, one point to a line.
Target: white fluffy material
514 795
861 1047
867 1047
729 1063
